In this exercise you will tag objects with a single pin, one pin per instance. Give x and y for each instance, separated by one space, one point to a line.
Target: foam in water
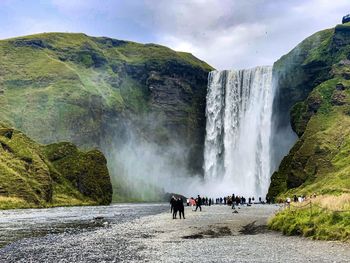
238 131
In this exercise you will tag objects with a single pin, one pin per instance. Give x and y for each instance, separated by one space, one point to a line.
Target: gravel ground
213 235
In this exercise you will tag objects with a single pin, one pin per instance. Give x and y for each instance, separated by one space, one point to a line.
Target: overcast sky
225 33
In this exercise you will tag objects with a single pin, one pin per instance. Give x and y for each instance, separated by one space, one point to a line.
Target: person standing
181 208
233 201
172 203
199 203
295 198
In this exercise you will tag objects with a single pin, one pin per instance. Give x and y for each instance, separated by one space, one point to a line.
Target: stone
346 19
340 86
338 98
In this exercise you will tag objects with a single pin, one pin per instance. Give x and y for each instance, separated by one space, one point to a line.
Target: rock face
313 96
346 19
34 175
92 90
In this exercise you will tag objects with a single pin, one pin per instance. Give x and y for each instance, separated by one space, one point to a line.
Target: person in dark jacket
199 203
172 203
180 208
175 208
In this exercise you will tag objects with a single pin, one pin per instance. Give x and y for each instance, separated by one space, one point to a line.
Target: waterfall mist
144 168
238 131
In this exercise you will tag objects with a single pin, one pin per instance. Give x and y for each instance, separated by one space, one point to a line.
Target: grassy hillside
45 78
314 95
35 175
317 72
92 90
325 218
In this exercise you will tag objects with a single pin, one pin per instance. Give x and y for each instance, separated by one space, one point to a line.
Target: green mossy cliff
96 84
92 91
314 95
35 175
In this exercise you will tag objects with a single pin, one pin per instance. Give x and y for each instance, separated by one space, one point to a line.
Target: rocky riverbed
146 233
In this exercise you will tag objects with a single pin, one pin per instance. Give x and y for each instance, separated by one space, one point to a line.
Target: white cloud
236 34
225 33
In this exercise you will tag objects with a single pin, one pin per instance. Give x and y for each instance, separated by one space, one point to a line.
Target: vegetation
325 218
35 175
314 83
319 161
91 90
54 76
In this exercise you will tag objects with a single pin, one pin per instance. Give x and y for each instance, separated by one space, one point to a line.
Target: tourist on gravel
193 203
238 200
233 201
172 203
198 203
181 208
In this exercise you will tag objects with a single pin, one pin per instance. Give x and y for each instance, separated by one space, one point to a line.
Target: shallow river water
146 233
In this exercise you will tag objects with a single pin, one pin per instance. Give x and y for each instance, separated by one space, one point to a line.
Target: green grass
314 220
14 202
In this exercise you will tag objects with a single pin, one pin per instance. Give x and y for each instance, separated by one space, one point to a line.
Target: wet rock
213 232
6 132
339 98
346 19
110 42
253 229
86 170
34 43
340 86
314 102
194 236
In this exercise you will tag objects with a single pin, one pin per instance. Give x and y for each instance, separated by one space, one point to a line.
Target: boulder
346 19
338 98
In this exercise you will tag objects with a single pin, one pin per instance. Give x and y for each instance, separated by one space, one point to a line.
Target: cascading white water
238 130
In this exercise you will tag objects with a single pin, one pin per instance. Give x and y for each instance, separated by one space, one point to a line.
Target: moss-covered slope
92 90
93 82
314 87
35 175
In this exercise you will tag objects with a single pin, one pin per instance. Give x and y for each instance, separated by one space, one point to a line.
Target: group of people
199 201
299 199
177 205
236 200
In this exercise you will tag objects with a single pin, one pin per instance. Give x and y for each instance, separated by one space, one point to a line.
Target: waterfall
238 130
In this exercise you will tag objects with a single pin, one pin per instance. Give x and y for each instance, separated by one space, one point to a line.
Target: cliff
92 91
35 175
314 95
